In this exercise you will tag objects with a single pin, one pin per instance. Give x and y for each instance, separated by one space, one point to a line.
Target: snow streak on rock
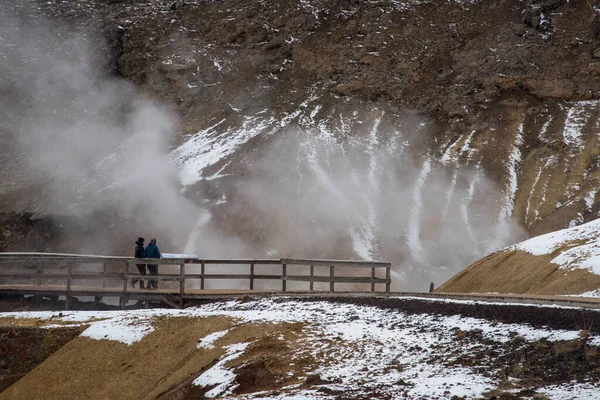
208 341
551 160
220 377
414 223
577 117
542 135
464 208
506 209
448 157
449 193
364 236
211 146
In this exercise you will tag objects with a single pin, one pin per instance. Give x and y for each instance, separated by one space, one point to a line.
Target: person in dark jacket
152 251
140 252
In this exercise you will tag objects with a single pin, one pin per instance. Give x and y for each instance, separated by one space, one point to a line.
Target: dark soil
536 316
23 348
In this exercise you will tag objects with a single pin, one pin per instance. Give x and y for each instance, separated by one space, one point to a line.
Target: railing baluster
202 275
373 279
388 280
332 276
284 277
40 271
181 283
252 275
68 297
124 296
312 277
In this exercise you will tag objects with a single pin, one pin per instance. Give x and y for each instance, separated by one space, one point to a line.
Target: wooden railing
39 267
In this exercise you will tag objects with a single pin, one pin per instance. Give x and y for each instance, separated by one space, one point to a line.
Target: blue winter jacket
152 251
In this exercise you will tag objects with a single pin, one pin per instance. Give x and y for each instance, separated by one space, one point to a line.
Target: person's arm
158 251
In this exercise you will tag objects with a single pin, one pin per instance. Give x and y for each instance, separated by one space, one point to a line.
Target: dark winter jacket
139 250
152 251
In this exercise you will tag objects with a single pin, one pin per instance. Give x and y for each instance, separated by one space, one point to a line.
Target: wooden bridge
73 275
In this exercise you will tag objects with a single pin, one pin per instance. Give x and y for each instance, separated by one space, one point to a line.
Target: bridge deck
132 293
163 294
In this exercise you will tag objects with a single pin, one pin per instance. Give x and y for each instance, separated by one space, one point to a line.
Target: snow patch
219 376
576 119
548 243
208 341
122 328
376 347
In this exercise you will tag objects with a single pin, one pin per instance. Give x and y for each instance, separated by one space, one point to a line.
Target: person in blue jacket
152 251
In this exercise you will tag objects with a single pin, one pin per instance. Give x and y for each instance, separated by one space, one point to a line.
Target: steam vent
300 199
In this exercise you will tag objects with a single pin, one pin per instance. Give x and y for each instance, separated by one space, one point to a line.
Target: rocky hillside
427 133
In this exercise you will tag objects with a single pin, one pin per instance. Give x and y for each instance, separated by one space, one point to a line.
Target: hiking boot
141 285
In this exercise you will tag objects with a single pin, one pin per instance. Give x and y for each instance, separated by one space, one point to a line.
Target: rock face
429 134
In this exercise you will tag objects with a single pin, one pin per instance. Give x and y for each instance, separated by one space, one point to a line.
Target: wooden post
181 283
124 296
312 275
284 277
37 299
373 279
431 286
68 297
202 275
388 279
331 275
252 275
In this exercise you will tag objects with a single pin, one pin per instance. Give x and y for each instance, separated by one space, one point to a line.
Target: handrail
340 263
65 271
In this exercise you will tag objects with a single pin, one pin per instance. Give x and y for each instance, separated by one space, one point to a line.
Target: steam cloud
90 138
370 195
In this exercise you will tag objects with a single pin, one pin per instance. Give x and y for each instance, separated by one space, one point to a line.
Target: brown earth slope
520 272
163 365
561 262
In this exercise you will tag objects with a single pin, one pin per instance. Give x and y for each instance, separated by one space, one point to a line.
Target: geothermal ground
367 348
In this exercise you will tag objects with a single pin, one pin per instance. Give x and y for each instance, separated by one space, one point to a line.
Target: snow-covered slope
287 349
565 261
577 247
